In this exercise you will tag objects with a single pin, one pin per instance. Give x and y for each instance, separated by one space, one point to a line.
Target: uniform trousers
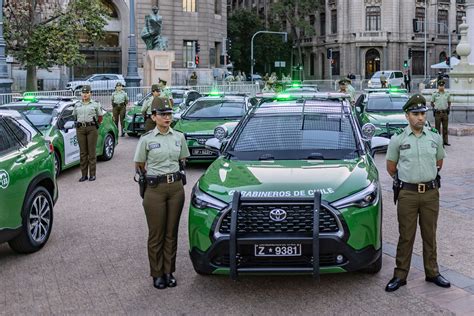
163 205
118 112
87 139
441 118
411 207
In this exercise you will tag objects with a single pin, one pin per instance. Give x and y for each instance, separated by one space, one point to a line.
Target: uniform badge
405 146
153 146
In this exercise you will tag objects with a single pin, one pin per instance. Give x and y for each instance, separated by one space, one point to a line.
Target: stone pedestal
157 65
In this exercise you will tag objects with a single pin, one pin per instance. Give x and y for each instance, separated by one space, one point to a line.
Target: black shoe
92 178
446 144
123 134
83 178
439 280
170 280
159 283
394 284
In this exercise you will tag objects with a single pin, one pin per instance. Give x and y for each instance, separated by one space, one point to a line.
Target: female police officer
157 155
88 115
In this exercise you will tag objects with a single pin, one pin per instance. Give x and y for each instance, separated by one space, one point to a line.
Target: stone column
470 21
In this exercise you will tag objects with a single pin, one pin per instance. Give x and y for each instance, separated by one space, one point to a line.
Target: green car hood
200 126
287 178
135 110
382 118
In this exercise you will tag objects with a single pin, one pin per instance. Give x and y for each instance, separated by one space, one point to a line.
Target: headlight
370 81
364 198
202 200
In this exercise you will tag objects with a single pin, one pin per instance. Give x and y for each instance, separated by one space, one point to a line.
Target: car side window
97 78
392 75
66 116
7 141
20 134
398 75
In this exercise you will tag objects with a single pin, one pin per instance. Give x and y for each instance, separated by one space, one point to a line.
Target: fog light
339 258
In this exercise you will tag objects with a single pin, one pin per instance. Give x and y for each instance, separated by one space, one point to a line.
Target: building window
336 64
459 16
189 54
372 19
312 64
443 22
110 9
333 21
418 63
420 18
322 22
189 5
218 7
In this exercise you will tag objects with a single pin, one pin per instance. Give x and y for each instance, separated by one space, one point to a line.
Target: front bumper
198 151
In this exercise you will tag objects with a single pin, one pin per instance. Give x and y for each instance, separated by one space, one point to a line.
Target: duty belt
165 178
419 187
442 111
84 124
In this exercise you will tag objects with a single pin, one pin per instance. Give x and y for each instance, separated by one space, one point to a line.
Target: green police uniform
119 106
164 196
416 158
146 110
87 117
349 89
383 81
440 102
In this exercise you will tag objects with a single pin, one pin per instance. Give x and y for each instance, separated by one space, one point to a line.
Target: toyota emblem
277 215
201 141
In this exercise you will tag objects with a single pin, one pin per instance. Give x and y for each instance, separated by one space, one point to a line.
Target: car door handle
21 159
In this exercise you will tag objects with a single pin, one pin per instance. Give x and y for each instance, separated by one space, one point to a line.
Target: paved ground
96 263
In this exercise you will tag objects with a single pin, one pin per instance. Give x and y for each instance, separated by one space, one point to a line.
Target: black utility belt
153 181
419 187
119 104
441 111
84 124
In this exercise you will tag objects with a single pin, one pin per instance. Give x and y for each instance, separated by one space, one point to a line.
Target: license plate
277 250
202 152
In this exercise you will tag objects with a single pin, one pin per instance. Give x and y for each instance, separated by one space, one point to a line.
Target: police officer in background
343 88
416 155
146 108
157 155
88 116
119 105
441 103
165 92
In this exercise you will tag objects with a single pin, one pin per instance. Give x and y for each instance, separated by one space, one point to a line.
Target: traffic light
196 60
329 53
405 63
197 47
410 53
228 44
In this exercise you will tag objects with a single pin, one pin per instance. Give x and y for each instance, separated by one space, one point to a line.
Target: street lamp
5 81
285 38
132 79
449 41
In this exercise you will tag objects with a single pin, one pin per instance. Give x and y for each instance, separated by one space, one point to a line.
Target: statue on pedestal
151 33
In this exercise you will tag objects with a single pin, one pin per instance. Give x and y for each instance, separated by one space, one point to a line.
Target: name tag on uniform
405 146
153 146
178 144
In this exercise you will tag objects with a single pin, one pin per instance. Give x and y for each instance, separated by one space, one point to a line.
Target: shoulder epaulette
399 131
434 130
146 133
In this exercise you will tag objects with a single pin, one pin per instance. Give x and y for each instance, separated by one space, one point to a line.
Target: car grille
200 139
328 259
255 219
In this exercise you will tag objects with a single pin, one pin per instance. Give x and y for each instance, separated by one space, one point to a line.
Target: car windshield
215 109
40 116
295 137
388 103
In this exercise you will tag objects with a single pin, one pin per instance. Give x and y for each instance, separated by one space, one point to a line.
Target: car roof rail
34 98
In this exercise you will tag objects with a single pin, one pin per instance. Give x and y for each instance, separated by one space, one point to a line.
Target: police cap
86 88
441 82
119 84
155 87
416 103
343 81
161 105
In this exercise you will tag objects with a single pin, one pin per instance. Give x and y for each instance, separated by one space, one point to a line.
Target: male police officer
88 115
441 103
416 156
383 80
119 105
344 88
158 155
146 107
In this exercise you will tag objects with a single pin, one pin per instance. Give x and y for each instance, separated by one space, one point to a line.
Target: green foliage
45 33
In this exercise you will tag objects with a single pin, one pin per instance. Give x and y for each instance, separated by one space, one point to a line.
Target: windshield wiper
266 157
315 156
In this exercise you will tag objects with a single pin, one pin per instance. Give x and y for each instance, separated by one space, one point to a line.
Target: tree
45 33
294 14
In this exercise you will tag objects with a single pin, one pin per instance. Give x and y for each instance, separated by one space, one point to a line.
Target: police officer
146 108
383 80
88 116
441 103
165 92
157 155
119 105
416 156
343 88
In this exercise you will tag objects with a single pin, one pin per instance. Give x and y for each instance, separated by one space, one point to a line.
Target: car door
71 146
98 82
13 178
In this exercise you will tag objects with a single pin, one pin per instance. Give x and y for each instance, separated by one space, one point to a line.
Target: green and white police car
53 117
199 120
28 189
294 190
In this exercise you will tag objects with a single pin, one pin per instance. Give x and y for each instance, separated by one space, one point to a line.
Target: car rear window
386 103
215 109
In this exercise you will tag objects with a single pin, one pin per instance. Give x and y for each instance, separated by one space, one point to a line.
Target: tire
375 266
37 212
109 148
57 164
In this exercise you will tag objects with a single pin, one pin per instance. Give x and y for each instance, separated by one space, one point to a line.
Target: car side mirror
378 144
69 125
